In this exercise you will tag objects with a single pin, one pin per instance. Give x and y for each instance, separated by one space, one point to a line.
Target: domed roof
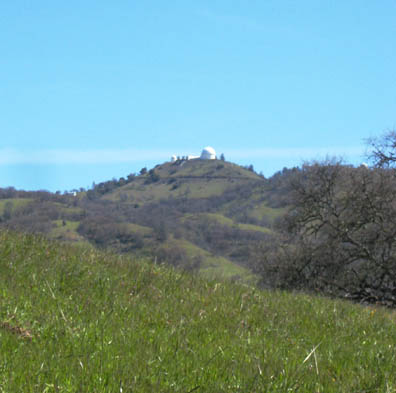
208 153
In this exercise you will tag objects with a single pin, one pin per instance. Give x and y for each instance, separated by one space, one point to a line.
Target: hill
204 215
75 319
180 179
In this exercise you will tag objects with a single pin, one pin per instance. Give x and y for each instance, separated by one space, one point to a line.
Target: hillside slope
80 320
181 179
209 216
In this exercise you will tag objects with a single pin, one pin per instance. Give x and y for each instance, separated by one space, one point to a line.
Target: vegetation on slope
203 215
191 179
80 320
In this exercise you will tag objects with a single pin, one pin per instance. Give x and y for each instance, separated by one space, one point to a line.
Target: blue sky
91 90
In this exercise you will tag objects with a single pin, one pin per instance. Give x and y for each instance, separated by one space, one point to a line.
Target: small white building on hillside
208 153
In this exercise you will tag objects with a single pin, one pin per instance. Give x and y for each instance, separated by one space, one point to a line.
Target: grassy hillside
79 320
191 179
66 230
13 203
226 221
217 213
213 266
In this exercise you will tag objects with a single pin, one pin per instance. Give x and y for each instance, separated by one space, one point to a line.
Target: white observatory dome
208 153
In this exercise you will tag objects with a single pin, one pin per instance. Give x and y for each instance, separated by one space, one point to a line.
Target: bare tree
383 153
340 236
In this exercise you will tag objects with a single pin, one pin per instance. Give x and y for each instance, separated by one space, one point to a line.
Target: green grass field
77 320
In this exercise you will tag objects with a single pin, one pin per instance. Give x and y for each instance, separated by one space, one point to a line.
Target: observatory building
208 153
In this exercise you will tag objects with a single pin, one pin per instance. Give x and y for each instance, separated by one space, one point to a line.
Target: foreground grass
75 320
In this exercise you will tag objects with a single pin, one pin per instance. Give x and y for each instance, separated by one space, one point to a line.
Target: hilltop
184 178
75 319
